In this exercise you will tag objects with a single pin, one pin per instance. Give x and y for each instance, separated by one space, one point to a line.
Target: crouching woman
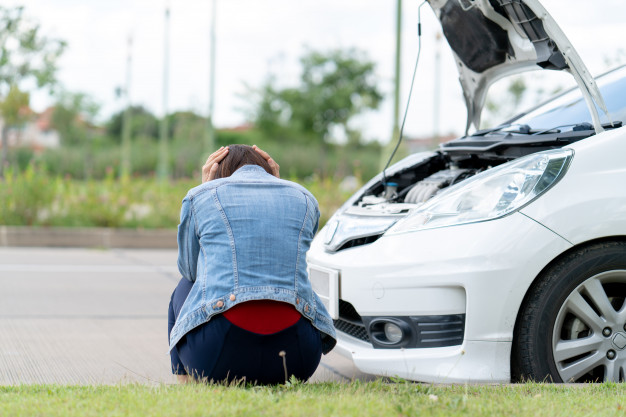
245 309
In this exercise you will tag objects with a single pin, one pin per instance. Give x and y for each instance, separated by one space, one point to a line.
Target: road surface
88 316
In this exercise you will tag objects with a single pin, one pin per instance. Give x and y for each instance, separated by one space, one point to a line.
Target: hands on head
209 169
273 165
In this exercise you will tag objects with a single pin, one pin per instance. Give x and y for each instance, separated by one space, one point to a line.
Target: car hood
491 39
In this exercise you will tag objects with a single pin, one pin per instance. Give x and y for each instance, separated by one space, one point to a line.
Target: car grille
359 242
350 322
439 331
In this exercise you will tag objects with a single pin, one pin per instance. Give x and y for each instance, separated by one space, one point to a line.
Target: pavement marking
80 316
87 268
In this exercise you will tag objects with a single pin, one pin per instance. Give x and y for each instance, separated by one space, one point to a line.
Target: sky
257 38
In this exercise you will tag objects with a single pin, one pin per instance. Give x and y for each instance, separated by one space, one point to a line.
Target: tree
73 117
334 87
26 56
13 107
186 126
144 124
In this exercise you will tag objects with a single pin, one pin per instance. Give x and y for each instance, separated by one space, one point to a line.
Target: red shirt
263 316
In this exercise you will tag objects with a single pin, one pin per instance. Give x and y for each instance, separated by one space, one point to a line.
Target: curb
101 237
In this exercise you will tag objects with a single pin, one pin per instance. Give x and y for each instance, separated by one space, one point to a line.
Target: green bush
34 197
99 156
25 195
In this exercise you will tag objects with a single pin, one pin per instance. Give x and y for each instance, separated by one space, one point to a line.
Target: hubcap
584 347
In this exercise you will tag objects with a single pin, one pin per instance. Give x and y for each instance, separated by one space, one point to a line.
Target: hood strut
542 30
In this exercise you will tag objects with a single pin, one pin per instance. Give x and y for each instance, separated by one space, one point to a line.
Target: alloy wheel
589 335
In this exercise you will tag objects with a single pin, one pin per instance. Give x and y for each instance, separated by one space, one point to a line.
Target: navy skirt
219 351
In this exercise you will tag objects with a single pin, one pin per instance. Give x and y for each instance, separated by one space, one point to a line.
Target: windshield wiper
522 128
525 129
579 127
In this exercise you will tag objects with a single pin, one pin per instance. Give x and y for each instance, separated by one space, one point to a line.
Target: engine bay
386 200
456 161
411 187
410 183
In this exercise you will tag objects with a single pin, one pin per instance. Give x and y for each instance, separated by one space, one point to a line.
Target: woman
244 308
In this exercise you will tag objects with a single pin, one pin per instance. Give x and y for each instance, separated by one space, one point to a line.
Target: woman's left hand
273 165
209 169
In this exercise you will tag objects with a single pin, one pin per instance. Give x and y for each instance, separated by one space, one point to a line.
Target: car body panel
590 201
401 274
444 271
472 362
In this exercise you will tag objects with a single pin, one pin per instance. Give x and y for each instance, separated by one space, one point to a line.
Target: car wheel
572 325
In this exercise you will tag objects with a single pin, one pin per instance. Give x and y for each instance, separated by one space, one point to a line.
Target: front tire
572 324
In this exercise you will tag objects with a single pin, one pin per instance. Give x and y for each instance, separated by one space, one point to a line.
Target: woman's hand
273 165
209 169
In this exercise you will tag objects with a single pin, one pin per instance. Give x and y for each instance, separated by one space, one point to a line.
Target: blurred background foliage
78 181
33 197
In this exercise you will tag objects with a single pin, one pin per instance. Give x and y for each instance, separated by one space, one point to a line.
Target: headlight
490 194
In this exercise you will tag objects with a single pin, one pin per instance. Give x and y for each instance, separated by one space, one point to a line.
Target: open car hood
491 39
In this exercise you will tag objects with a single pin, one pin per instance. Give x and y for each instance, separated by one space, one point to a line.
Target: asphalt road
87 316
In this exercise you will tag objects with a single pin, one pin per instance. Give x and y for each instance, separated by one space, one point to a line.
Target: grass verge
376 398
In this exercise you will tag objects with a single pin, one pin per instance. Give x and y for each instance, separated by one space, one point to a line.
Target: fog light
389 332
393 332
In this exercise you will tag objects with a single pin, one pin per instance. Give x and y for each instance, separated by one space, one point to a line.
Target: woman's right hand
209 169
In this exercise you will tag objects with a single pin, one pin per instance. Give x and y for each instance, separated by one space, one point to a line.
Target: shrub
33 197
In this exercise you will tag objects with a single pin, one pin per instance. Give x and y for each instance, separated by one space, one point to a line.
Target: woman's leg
265 359
310 344
176 302
219 351
201 348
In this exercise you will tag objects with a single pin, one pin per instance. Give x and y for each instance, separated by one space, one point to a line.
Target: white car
501 256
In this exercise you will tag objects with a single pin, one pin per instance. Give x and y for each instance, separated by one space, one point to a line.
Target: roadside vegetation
33 197
377 398
131 169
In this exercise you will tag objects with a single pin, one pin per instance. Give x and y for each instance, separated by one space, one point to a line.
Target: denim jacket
243 238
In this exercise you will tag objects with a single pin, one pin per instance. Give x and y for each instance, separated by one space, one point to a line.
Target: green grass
376 398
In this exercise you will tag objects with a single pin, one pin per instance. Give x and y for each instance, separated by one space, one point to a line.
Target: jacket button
297 301
232 297
219 304
306 309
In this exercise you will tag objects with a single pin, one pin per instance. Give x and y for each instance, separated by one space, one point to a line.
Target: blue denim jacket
245 237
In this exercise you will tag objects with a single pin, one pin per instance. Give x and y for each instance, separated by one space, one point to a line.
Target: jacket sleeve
188 243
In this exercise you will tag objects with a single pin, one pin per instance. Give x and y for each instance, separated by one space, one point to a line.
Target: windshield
570 109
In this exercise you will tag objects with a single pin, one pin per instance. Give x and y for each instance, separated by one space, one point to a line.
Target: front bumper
482 270
478 362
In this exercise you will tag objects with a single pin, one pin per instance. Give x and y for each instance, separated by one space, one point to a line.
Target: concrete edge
101 237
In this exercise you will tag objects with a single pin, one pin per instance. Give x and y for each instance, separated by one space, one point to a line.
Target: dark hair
238 156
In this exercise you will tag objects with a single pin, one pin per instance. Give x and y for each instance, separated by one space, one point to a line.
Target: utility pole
396 95
125 170
4 159
163 166
395 133
209 142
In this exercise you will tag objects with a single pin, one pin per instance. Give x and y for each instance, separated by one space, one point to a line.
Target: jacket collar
249 171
